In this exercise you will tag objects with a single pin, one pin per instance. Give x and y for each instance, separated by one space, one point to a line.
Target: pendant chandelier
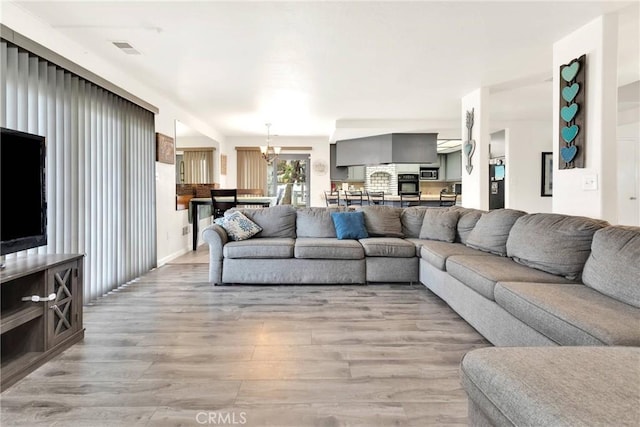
269 153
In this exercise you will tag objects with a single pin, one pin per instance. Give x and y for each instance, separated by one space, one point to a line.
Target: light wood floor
172 350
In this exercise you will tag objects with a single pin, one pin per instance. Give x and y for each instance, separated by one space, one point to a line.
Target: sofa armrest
216 237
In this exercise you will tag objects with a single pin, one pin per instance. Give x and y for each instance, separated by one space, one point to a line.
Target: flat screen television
23 208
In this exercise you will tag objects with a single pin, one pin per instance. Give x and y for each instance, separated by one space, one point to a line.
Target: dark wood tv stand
34 332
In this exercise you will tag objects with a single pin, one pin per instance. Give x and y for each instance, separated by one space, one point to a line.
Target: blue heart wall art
568 113
572 124
568 153
569 93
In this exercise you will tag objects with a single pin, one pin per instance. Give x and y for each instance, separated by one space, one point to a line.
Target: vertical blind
198 166
252 169
100 168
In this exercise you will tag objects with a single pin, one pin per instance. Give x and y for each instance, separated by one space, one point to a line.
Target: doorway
290 181
628 181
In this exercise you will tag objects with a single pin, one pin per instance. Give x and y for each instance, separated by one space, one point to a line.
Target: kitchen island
430 200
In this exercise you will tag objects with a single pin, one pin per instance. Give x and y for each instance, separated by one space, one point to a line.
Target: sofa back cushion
439 224
492 230
411 221
467 220
316 222
276 221
382 221
555 243
613 267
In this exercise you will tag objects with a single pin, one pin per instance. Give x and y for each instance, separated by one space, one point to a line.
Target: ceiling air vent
126 48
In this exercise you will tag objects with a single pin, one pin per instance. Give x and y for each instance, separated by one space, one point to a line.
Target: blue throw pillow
349 225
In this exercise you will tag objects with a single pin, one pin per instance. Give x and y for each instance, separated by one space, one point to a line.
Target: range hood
388 148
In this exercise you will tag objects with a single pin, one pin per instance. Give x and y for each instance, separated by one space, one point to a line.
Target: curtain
100 167
252 170
198 167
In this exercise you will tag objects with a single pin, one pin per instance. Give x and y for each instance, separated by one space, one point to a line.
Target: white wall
524 143
170 241
319 153
598 40
476 184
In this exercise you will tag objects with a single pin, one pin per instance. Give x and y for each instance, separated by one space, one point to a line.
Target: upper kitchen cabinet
453 170
336 173
356 173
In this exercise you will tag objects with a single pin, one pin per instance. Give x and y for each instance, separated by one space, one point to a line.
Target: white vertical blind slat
100 167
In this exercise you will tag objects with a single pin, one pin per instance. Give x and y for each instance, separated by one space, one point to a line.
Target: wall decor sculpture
469 146
572 114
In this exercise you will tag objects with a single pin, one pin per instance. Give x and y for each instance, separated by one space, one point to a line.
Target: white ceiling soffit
306 65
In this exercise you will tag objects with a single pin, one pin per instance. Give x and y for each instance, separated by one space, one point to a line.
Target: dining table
196 202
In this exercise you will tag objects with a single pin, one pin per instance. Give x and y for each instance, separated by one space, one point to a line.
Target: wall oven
428 174
408 182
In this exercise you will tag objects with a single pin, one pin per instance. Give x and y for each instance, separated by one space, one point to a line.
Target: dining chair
332 198
448 199
410 198
223 200
352 197
375 197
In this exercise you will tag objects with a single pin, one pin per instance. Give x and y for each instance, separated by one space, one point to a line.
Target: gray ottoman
553 386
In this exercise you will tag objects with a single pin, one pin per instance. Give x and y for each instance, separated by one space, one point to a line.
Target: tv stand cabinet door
65 312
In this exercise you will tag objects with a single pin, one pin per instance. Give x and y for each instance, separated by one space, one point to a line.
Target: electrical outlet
185 230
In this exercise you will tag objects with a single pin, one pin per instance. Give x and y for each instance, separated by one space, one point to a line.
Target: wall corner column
475 185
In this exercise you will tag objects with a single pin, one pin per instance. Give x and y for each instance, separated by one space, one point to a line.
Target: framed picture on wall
165 149
546 185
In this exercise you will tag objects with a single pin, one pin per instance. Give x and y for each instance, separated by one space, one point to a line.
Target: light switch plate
590 182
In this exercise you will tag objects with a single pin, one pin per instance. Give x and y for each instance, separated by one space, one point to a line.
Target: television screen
498 174
23 220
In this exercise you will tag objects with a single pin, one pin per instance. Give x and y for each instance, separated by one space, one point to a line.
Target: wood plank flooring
171 350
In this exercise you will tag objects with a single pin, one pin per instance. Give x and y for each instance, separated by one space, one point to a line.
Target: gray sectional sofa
526 282
518 278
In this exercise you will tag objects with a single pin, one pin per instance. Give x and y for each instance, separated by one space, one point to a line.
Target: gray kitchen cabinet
336 173
454 166
356 173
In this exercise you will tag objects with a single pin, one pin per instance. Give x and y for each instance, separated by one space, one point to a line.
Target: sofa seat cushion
482 273
554 386
327 248
436 253
417 243
266 247
392 247
571 314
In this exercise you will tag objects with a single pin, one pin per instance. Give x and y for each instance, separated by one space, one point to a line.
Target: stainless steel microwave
428 174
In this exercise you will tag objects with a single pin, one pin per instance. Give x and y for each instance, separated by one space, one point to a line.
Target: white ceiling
305 65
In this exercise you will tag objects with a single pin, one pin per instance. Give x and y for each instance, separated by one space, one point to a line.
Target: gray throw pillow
555 243
492 231
613 268
382 221
439 224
